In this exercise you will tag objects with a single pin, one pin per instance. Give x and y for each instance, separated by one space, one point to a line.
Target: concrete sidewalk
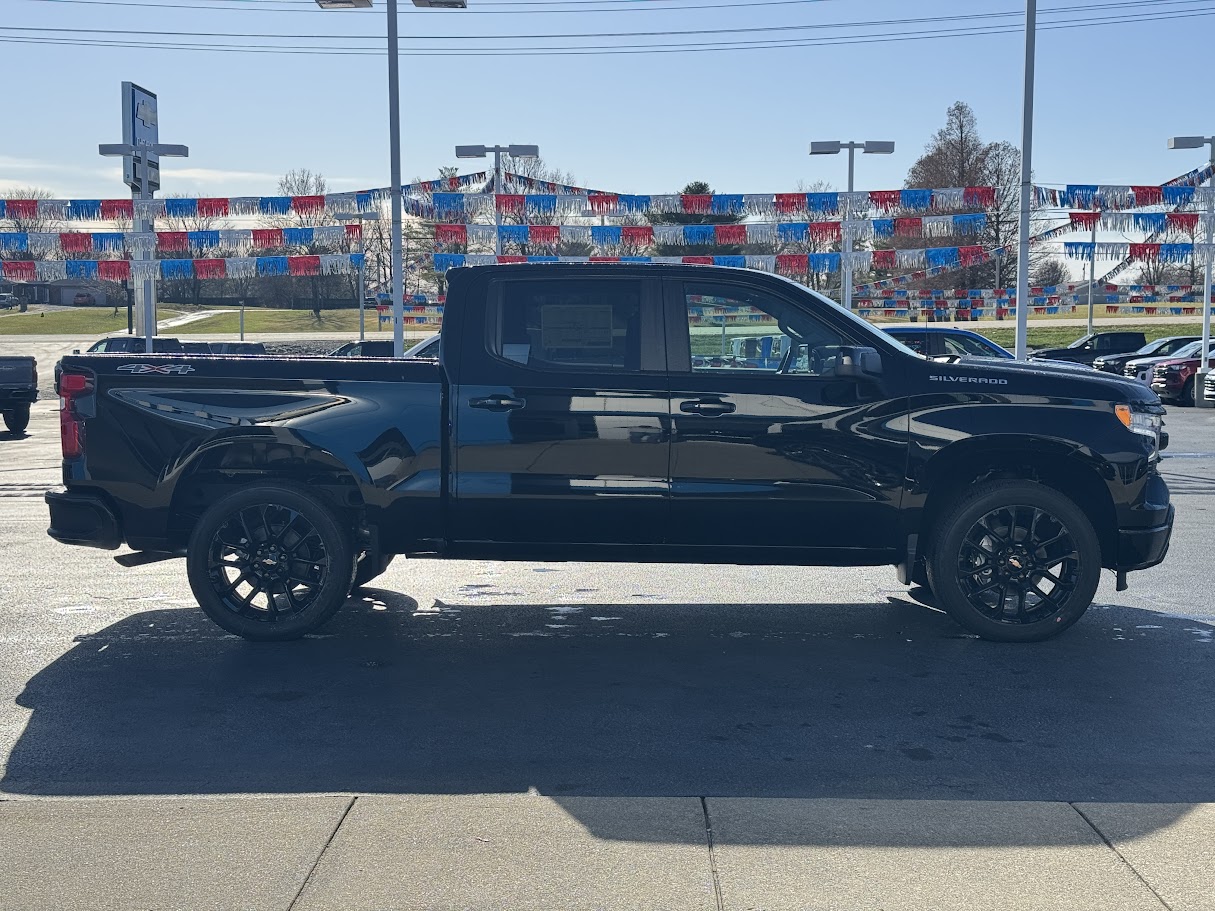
517 852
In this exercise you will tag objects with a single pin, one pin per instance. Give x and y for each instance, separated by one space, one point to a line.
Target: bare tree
1050 271
34 223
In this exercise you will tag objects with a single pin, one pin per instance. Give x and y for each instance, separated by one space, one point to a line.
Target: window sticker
576 326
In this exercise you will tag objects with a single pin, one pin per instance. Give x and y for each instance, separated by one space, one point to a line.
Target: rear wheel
1187 393
17 419
1015 561
270 563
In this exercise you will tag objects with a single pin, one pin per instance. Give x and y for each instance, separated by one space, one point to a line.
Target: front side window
965 346
739 329
556 325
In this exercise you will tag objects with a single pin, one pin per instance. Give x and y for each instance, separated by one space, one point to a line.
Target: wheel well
952 475
242 463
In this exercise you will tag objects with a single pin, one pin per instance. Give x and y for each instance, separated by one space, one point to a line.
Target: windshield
1081 342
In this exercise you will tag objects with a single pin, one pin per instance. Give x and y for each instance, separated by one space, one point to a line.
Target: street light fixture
1197 142
140 153
514 151
394 149
834 147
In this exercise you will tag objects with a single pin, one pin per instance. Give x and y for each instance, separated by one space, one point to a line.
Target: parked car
83 299
237 348
8 301
427 348
377 348
564 420
1208 388
134 344
196 348
1161 347
1088 348
18 390
1173 380
942 341
1140 368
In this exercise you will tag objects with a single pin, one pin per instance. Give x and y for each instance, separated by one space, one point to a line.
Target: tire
1015 561
270 563
17 419
1187 393
369 568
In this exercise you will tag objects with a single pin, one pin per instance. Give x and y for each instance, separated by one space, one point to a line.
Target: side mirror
858 362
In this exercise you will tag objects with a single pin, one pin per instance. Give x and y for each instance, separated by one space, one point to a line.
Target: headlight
1146 423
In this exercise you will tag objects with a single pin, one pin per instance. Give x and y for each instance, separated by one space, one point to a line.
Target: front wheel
1015 561
17 419
270 563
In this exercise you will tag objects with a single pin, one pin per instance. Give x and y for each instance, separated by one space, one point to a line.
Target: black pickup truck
618 412
18 390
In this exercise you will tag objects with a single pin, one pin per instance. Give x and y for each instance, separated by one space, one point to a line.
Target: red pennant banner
267 238
698 260
302 265
970 256
885 259
909 227
213 207
886 200
305 205
730 234
825 231
210 268
114 270
979 197
1145 251
510 203
21 270
1183 221
76 242
1084 220
696 203
603 202
605 259
1148 196
544 234
789 203
792 263
355 231
21 208
637 235
112 209
172 241
512 259
451 234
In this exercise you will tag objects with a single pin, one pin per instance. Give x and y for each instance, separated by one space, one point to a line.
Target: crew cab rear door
561 412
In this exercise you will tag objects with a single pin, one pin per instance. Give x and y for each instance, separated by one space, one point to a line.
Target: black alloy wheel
1015 561
269 563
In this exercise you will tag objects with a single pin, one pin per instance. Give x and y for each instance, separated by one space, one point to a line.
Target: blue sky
1107 97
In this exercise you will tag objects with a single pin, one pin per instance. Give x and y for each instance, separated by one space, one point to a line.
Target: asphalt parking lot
582 683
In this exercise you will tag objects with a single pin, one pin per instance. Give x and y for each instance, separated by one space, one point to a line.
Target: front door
775 451
562 414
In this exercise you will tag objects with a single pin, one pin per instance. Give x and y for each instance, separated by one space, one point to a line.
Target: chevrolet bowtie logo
145 114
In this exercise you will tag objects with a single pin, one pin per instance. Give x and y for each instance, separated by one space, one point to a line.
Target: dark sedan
1160 347
942 341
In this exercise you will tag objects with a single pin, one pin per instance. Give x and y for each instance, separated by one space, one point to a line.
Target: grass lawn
258 319
1060 336
84 321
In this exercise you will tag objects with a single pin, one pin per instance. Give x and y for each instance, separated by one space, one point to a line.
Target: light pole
1027 146
140 153
1197 142
833 147
394 149
514 151
360 217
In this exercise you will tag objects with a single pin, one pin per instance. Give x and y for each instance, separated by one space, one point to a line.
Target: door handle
497 403
708 407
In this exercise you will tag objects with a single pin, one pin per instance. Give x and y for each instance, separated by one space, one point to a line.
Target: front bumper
83 519
1140 548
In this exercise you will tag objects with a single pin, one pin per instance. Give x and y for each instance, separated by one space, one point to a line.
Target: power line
736 30
609 50
294 6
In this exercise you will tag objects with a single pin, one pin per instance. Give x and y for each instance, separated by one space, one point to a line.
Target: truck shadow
883 701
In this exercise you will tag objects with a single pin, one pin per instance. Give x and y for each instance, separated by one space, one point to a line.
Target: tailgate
16 371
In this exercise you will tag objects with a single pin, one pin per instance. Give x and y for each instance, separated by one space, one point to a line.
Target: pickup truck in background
18 390
1088 348
575 413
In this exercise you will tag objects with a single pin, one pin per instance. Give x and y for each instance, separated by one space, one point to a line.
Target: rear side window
558 325
964 345
913 340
